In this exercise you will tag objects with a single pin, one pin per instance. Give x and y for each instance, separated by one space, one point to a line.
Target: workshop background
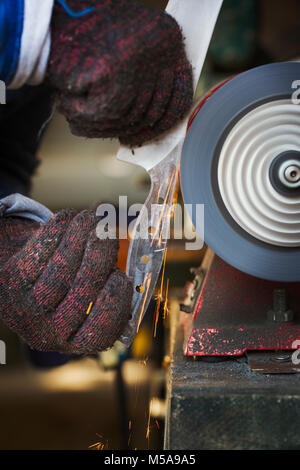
116 400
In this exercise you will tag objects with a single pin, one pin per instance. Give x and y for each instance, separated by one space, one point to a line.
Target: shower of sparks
89 308
99 445
162 296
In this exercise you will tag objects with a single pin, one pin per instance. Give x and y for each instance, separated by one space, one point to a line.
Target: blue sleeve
11 28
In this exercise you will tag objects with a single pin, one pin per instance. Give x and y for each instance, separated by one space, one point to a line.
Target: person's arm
21 119
25 41
118 67
119 70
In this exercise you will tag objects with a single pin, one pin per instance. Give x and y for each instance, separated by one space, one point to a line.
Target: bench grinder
241 159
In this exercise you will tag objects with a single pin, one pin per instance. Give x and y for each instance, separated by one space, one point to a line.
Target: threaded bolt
279 300
280 312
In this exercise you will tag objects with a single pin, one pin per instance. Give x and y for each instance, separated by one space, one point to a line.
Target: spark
167 215
89 308
170 215
159 297
166 310
99 445
148 425
130 433
157 425
158 194
162 213
148 430
175 196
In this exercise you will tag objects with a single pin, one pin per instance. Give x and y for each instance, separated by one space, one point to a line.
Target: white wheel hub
243 173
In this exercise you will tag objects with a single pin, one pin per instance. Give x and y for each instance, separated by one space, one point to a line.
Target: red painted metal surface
231 316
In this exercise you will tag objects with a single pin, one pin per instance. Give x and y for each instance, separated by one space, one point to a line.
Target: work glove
59 287
119 70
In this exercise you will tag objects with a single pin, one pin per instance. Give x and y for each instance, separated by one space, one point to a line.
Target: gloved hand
119 71
49 276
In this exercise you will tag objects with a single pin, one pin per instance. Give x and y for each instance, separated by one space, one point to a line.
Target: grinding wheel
241 159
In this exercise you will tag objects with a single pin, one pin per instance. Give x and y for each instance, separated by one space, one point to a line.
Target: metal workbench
227 406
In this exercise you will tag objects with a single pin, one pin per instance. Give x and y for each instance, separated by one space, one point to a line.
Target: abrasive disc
241 159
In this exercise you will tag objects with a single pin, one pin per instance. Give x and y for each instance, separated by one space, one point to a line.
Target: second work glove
119 70
59 287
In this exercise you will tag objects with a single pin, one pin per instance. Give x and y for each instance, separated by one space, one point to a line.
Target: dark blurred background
116 400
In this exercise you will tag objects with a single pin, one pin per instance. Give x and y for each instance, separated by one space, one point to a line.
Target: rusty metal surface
232 314
236 340
272 362
225 405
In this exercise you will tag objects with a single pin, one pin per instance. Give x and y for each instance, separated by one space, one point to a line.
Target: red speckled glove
119 71
59 287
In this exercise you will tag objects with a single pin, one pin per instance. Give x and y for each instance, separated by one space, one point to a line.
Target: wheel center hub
285 173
